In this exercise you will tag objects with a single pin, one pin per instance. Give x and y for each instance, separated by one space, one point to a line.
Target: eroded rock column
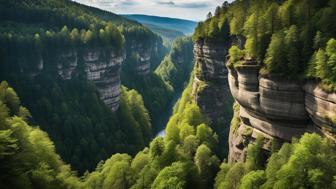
210 88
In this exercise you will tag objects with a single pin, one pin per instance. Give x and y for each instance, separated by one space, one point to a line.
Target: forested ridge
84 130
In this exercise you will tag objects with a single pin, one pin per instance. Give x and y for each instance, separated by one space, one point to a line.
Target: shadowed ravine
161 124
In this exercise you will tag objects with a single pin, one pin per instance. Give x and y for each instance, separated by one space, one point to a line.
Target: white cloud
187 9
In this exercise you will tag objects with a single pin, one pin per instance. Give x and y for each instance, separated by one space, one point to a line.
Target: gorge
248 101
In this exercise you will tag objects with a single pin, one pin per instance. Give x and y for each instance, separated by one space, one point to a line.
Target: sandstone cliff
210 88
276 109
101 66
143 53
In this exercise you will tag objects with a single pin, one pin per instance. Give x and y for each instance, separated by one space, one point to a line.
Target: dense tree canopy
280 35
306 163
83 128
176 67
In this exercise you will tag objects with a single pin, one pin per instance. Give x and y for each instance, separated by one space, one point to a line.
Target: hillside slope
64 60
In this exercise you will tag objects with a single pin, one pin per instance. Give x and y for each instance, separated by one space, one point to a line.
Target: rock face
321 107
210 62
67 63
101 66
144 54
210 88
275 108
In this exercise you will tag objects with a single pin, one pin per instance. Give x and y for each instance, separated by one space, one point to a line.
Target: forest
176 67
285 38
60 26
58 133
185 158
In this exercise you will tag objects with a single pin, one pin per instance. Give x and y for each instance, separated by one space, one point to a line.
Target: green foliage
172 177
177 161
206 163
27 155
251 33
235 122
235 55
281 35
176 67
84 129
255 160
323 66
253 180
276 54
155 92
283 55
307 163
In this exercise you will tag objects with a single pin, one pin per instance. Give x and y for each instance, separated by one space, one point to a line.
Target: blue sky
186 9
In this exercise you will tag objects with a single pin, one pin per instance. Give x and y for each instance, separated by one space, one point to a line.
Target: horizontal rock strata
276 108
210 89
101 66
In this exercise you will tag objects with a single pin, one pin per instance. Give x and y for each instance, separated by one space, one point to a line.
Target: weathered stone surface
277 108
282 100
66 63
210 61
274 99
271 107
321 107
214 100
143 66
210 88
103 68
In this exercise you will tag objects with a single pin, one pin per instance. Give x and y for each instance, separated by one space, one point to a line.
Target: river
165 117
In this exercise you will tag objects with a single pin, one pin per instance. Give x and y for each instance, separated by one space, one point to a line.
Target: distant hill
184 26
168 28
164 32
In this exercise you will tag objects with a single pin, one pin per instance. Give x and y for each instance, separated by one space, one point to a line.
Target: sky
186 9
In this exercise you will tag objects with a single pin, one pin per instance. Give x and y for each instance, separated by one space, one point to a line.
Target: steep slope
176 67
210 89
175 70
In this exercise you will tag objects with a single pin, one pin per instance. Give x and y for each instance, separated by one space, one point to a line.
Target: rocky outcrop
210 88
144 54
103 68
275 108
100 65
66 63
321 107
210 63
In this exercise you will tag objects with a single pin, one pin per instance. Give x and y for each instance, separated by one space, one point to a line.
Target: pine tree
292 51
275 59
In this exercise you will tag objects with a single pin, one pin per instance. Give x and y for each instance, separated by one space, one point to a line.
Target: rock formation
143 53
100 65
67 63
275 108
103 68
321 107
210 89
